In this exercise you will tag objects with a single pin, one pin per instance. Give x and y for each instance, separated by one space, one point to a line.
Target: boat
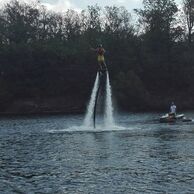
187 120
167 118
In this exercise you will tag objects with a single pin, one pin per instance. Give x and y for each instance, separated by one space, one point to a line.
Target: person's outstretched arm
93 49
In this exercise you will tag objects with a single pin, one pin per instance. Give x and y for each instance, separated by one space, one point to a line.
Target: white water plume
90 109
109 121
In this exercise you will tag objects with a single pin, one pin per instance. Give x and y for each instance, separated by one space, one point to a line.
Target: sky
62 5
82 4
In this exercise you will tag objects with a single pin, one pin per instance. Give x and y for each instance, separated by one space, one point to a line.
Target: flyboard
102 76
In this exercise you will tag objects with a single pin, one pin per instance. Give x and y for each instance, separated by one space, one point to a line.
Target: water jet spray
102 79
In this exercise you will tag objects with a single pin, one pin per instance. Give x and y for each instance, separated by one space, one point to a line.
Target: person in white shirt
173 109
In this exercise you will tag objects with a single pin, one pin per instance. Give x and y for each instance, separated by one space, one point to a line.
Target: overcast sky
62 5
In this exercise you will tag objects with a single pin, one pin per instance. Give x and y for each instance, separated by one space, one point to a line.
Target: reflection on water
48 155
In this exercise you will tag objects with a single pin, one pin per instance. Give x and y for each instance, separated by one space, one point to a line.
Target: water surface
55 154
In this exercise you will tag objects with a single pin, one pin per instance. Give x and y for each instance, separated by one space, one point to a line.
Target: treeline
46 55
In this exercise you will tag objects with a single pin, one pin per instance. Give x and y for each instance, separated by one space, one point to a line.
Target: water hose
101 74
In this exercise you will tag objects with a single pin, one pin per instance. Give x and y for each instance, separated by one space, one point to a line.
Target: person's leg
99 64
99 67
104 66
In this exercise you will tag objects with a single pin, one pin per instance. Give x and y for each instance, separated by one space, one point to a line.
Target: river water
56 155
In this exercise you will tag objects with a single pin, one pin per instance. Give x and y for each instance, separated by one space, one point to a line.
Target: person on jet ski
172 110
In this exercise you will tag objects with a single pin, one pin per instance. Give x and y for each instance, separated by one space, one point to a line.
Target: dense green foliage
46 55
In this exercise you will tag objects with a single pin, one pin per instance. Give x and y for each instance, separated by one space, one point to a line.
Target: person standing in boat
172 110
100 57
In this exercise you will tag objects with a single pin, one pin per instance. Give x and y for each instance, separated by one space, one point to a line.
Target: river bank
68 105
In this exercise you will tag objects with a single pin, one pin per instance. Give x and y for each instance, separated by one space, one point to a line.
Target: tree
44 54
94 19
21 22
188 8
2 29
92 24
157 18
117 21
72 25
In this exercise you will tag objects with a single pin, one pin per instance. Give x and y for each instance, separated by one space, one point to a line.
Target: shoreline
40 113
78 112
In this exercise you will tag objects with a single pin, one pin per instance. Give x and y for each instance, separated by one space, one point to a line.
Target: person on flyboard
100 57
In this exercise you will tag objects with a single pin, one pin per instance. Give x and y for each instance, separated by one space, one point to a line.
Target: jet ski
168 118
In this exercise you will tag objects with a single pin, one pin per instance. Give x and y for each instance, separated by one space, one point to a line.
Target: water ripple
48 155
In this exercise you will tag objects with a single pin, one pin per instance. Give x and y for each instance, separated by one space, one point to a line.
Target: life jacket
100 51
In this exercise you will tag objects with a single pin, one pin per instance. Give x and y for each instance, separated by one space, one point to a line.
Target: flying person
100 57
